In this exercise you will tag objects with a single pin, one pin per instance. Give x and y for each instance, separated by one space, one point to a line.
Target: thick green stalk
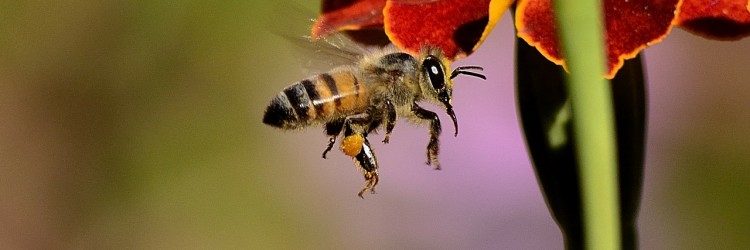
580 26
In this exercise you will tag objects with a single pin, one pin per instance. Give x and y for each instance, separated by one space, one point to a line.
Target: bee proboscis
374 92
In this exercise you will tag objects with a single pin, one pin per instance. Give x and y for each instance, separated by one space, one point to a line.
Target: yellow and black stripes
299 99
316 100
313 95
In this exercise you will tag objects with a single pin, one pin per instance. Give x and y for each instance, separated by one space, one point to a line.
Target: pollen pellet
352 145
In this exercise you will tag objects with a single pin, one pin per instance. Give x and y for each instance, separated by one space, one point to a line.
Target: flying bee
374 92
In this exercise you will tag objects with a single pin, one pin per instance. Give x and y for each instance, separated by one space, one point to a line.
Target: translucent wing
315 55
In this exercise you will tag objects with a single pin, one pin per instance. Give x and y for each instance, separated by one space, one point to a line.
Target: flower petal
338 15
716 19
536 25
455 26
631 26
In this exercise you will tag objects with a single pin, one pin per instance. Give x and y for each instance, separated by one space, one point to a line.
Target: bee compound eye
434 70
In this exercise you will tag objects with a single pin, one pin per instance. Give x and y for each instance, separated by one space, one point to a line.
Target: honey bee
373 92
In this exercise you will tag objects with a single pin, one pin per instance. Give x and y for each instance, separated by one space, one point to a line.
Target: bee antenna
463 70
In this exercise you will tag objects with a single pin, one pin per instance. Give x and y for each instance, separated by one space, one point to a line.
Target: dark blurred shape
468 35
369 37
542 96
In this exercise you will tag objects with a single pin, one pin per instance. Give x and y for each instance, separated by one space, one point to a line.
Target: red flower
460 26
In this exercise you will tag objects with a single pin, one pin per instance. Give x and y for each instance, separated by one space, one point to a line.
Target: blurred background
131 124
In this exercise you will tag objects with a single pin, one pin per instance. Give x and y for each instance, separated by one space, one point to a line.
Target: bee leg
360 123
333 129
390 120
355 129
356 145
367 162
433 147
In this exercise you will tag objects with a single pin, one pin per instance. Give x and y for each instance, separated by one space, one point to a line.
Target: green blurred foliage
136 124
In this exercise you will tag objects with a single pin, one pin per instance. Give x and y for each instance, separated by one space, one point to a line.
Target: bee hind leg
356 145
333 130
433 147
367 162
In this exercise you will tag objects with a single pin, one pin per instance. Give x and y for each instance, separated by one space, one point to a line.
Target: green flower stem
580 26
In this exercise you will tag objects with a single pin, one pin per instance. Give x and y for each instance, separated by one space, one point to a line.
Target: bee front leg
390 120
433 147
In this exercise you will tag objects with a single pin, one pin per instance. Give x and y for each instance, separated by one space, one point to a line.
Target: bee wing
314 56
318 56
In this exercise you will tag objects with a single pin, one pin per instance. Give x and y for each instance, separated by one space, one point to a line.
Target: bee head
439 85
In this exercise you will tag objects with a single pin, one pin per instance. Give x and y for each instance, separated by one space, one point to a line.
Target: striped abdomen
317 100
